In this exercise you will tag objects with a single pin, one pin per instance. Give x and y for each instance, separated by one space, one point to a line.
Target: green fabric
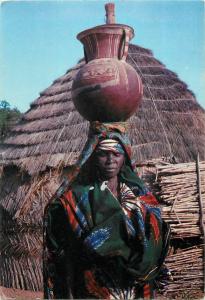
102 210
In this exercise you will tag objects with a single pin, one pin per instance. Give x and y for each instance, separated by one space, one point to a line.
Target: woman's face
108 163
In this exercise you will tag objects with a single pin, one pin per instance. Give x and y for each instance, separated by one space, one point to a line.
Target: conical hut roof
52 134
169 122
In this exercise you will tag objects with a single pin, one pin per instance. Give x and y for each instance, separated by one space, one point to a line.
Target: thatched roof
169 122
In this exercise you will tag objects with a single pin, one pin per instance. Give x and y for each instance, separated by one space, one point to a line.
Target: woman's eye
101 154
117 154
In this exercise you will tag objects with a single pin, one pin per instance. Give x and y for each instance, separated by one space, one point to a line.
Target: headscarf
110 145
99 132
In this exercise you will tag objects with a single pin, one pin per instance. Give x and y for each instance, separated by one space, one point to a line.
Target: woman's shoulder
76 190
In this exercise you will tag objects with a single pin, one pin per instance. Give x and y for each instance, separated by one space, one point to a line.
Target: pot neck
106 41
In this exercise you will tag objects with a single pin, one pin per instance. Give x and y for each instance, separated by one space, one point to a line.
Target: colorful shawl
95 246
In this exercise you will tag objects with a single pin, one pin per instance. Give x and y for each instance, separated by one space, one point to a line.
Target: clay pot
106 88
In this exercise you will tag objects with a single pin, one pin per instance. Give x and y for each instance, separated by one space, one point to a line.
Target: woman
104 235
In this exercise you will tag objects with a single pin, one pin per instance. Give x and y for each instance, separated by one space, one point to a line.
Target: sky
38 40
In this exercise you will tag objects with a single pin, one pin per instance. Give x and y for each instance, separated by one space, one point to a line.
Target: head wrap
102 131
110 145
99 132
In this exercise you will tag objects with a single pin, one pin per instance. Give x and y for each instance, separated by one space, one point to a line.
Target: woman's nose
110 157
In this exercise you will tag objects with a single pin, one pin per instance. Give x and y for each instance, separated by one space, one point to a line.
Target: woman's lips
110 169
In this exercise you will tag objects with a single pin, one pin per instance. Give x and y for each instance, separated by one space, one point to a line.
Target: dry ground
17 294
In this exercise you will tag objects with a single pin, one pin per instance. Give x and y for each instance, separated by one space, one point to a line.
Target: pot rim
107 28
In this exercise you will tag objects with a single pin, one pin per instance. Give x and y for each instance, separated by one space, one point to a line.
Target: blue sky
38 40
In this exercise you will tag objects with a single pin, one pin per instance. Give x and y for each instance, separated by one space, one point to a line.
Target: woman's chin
109 174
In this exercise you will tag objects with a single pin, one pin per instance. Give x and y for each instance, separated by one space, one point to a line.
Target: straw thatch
177 186
187 278
22 204
49 139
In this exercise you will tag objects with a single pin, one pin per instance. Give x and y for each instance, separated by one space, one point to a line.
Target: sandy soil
17 294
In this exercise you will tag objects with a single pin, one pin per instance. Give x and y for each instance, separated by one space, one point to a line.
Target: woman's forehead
100 151
103 154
